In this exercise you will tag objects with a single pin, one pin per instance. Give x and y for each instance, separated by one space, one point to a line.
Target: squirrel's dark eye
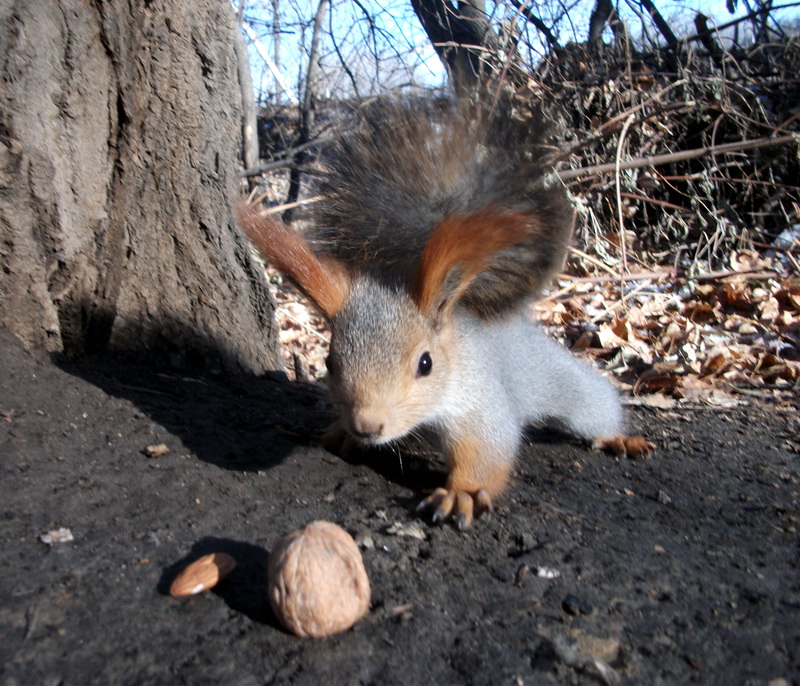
425 364
330 364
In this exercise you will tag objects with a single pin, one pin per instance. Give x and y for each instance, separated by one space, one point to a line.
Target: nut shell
204 573
317 582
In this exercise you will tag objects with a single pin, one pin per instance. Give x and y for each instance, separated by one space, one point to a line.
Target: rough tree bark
119 132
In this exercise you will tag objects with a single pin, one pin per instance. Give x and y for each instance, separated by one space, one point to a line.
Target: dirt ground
684 568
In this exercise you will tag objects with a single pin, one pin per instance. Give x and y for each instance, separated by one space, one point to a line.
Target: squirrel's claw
444 502
462 506
635 447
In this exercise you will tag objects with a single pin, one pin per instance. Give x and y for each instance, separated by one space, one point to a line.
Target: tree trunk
119 132
597 22
458 32
307 113
249 122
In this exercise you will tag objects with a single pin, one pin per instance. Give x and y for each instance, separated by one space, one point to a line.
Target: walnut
317 582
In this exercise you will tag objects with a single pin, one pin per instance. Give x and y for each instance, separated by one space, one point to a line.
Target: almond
202 574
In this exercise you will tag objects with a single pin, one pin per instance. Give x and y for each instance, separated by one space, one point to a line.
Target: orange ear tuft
460 247
324 281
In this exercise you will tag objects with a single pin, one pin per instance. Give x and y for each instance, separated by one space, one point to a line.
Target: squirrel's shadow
240 422
244 590
415 463
419 464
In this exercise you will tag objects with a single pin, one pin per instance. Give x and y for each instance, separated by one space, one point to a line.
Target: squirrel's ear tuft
325 281
460 248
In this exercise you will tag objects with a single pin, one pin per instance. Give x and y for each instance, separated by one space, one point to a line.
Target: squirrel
438 226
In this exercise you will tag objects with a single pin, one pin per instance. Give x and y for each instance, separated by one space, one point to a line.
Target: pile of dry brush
686 212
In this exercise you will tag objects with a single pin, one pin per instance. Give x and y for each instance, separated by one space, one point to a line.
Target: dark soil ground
684 568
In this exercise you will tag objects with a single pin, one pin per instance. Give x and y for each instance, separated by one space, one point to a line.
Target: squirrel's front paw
635 447
462 506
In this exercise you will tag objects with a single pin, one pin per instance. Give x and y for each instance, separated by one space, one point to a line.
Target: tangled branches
617 107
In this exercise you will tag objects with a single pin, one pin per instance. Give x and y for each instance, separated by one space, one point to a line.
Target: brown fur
465 244
473 468
325 281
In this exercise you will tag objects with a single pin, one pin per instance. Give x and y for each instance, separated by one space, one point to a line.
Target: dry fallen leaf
61 535
156 450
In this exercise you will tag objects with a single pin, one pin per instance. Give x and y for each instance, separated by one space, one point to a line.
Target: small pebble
364 540
62 535
573 605
156 450
547 573
412 530
525 542
663 498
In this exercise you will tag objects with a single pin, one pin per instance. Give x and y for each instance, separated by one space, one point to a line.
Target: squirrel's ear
325 281
459 249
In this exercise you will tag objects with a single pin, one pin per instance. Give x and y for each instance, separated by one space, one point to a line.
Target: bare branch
659 21
657 160
552 41
287 160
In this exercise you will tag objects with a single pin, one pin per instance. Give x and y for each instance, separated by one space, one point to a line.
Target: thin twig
633 276
592 260
660 275
286 160
657 160
621 225
653 201
616 304
287 206
306 327
730 180
607 128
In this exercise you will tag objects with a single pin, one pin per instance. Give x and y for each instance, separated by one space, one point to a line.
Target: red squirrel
439 223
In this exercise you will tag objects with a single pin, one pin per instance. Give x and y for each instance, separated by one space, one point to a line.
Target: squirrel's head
394 351
389 363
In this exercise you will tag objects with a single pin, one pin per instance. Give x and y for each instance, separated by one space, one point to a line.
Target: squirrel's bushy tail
409 164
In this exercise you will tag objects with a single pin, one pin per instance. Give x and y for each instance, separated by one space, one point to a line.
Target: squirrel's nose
365 427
